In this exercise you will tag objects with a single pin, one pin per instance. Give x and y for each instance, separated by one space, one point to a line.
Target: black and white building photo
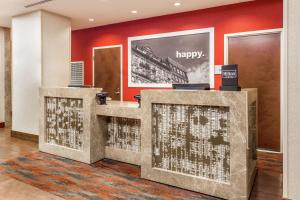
179 57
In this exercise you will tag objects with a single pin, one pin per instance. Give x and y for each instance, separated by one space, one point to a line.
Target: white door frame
121 65
283 75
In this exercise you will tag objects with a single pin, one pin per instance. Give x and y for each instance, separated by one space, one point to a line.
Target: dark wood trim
2 124
270 161
274 157
24 136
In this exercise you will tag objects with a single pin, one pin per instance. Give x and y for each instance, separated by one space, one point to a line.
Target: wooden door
258 57
107 70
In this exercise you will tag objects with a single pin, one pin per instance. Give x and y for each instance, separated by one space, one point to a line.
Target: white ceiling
105 11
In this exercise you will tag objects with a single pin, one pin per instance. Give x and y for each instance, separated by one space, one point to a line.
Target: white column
56 50
41 58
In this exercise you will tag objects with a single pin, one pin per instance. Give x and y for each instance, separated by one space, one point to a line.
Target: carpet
105 179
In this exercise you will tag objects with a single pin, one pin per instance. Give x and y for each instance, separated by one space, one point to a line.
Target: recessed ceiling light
177 4
91 19
134 12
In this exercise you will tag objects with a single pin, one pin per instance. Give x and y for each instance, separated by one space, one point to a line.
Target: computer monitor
196 86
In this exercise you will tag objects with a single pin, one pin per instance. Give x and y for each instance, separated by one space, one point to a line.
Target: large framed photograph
160 60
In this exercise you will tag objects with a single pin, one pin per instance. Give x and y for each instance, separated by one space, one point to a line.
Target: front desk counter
122 122
204 141
68 124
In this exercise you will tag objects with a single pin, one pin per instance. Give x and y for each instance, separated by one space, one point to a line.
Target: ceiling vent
37 3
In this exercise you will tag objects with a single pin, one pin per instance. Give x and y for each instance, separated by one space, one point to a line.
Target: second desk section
121 124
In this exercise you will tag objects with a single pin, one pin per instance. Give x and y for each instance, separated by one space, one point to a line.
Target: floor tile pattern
12 189
106 179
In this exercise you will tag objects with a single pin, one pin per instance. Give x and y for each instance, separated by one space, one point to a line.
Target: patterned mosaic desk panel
124 133
192 140
64 122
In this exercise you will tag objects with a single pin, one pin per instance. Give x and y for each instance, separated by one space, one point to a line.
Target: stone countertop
71 88
69 92
125 104
201 91
196 97
126 109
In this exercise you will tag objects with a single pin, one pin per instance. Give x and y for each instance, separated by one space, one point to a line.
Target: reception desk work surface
125 109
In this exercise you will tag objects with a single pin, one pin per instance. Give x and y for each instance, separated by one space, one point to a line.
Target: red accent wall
250 16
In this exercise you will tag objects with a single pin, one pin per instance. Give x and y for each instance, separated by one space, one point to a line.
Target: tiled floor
13 147
268 184
11 189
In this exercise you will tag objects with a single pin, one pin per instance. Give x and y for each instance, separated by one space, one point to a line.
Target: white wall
41 58
56 40
2 79
26 72
292 139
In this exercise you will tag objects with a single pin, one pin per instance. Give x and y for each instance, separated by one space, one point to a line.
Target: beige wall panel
292 140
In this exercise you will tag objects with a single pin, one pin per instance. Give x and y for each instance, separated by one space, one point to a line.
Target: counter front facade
69 126
203 141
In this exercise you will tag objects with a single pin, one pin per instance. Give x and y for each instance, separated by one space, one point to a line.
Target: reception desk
203 141
69 126
122 126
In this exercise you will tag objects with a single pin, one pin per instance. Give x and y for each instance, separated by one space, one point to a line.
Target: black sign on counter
230 78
